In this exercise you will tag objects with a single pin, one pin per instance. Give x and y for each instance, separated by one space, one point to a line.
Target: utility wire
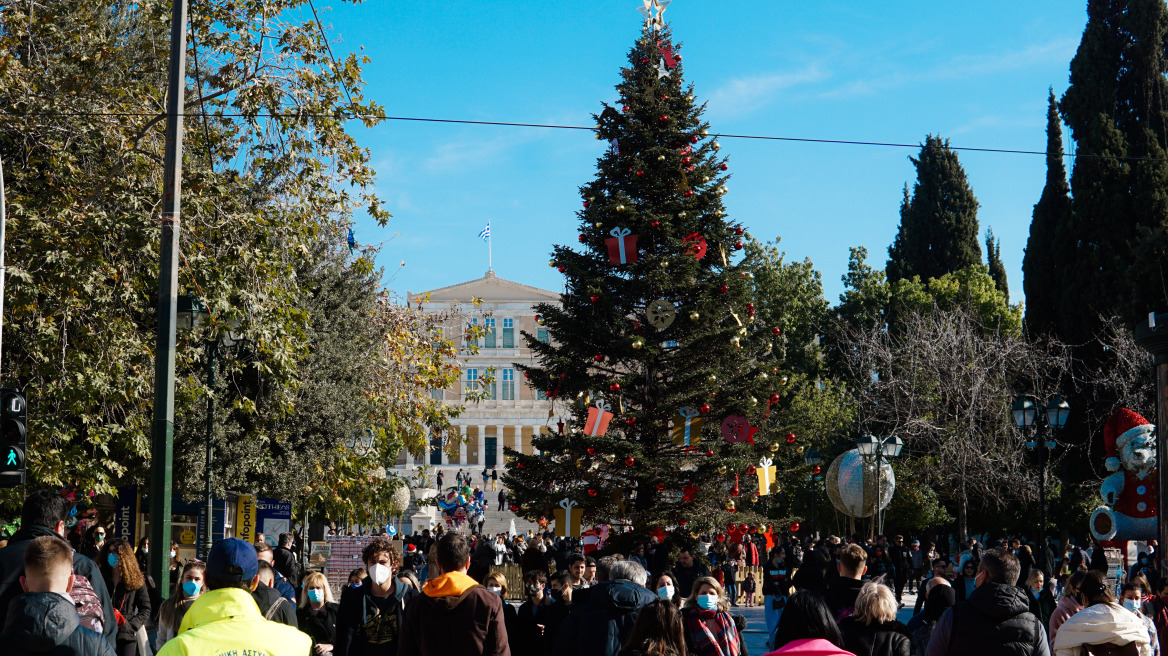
324 37
552 126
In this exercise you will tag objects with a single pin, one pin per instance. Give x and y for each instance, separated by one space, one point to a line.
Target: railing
513 574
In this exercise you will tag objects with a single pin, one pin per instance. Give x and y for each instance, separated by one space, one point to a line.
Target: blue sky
976 73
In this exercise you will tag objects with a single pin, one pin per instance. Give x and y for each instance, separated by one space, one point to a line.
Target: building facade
515 412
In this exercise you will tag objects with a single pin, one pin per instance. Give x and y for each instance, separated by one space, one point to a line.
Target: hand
323 649
540 627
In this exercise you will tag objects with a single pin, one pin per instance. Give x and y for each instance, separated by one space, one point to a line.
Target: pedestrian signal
13 437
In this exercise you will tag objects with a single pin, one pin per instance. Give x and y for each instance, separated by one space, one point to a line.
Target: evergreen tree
994 263
1049 250
672 329
938 224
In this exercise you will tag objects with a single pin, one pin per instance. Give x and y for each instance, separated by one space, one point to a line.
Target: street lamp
360 445
880 449
1033 428
193 314
812 458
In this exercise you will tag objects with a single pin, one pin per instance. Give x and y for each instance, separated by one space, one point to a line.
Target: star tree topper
654 13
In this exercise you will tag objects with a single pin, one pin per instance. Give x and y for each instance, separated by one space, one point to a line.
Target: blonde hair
692 599
498 579
315 578
875 602
1034 574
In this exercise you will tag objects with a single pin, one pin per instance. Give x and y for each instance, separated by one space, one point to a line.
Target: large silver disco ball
851 484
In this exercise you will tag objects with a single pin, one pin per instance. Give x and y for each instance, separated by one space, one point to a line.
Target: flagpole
490 260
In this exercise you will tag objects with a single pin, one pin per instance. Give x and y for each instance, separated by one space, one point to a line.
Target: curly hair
377 546
127 564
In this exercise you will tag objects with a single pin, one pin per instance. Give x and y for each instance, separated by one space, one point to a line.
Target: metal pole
162 430
1152 335
1042 455
3 269
208 540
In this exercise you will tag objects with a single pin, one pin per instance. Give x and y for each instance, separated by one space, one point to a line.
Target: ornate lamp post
880 450
812 459
1033 428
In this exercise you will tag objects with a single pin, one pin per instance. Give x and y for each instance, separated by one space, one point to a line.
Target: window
437 333
508 384
508 333
472 381
469 341
488 333
435 450
541 335
540 395
438 394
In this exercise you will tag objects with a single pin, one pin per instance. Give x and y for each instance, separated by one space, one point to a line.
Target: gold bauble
694 316
664 263
705 179
716 146
762 528
620 208
681 215
705 132
660 158
579 462
689 98
722 469
722 190
609 457
770 347
712 378
719 213
773 447
753 499
753 401
638 343
762 375
799 450
730 505
783 380
552 263
598 224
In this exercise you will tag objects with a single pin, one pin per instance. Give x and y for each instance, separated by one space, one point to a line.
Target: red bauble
743 528
724 167
774 398
682 522
663 118
581 239
591 491
790 438
631 421
721 537
710 453
615 387
705 408
563 269
594 299
585 204
688 193
661 487
514 508
639 172
724 288
734 491
816 469
750 306
738 245
522 466
655 224
738 231
794 527
750 470
677 57
732 510
731 527
629 462
693 139
625 109
644 60
591 450
599 357
665 96
777 331
686 160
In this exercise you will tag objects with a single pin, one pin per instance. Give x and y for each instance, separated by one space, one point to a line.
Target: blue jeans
772 615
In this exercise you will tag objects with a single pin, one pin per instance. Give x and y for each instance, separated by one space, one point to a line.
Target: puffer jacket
1065 609
1101 624
228 621
46 624
600 625
876 639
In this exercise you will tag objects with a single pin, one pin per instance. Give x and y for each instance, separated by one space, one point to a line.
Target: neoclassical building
515 412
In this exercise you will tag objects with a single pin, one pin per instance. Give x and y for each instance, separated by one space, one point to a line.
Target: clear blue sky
976 73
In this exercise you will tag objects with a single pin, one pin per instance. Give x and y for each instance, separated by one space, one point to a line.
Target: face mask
112 559
99 538
145 550
707 601
172 554
542 548
665 592
1132 604
316 595
191 588
354 585
533 590
497 590
379 573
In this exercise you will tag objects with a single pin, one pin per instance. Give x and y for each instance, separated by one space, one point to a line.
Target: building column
518 438
465 432
410 456
500 441
445 457
534 433
482 445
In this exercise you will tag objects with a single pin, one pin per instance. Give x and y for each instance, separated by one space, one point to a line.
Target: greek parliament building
514 412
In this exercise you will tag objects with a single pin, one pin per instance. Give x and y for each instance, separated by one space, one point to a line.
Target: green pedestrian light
14 458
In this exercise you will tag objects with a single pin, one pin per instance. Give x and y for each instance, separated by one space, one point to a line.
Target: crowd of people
442 593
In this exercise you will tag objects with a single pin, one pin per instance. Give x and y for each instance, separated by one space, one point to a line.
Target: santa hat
410 548
1119 430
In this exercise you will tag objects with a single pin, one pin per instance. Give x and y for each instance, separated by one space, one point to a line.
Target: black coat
603 623
287 564
841 597
265 597
360 604
995 620
528 639
45 624
134 605
12 568
876 639
321 624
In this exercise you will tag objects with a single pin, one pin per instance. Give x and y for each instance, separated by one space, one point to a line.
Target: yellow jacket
227 621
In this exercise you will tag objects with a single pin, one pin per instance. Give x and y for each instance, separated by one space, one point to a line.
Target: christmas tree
662 377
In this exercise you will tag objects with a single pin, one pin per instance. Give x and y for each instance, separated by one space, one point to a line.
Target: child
748 587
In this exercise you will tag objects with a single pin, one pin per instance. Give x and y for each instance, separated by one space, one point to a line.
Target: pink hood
813 647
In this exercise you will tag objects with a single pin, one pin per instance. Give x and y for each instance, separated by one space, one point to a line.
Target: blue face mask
354 585
191 588
707 601
316 595
112 559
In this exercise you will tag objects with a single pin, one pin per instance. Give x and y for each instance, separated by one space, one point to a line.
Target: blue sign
273 517
126 514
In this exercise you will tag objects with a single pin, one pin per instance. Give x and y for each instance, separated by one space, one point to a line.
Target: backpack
271 612
88 604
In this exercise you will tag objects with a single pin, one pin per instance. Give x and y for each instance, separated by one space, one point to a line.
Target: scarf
721 642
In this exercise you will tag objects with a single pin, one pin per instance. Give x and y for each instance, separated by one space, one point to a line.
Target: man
603 622
919 619
590 572
260 539
842 592
265 554
369 622
531 635
940 567
577 563
225 619
687 571
917 558
44 514
43 620
273 606
502 499
453 615
902 562
996 618
285 560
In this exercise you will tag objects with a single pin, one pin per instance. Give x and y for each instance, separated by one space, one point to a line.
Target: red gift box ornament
697 245
736 428
622 246
598 418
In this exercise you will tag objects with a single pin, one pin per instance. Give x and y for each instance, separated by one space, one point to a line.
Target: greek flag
485 233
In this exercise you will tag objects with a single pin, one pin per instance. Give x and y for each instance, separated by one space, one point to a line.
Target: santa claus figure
1131 493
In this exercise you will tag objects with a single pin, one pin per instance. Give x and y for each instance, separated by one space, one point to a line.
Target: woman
408 577
1132 599
872 630
501 550
1068 604
964 585
709 628
1102 621
776 587
176 565
170 615
807 627
1041 600
941 598
317 614
658 631
880 564
131 600
497 583
665 585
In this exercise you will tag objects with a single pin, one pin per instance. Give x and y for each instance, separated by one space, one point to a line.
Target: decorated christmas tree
659 373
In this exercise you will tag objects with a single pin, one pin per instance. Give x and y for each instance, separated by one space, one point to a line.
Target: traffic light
13 437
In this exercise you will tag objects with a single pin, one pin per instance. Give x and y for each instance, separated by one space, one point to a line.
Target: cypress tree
938 224
1049 249
994 262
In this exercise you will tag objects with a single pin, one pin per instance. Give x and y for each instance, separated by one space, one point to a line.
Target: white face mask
496 589
172 554
379 573
665 592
